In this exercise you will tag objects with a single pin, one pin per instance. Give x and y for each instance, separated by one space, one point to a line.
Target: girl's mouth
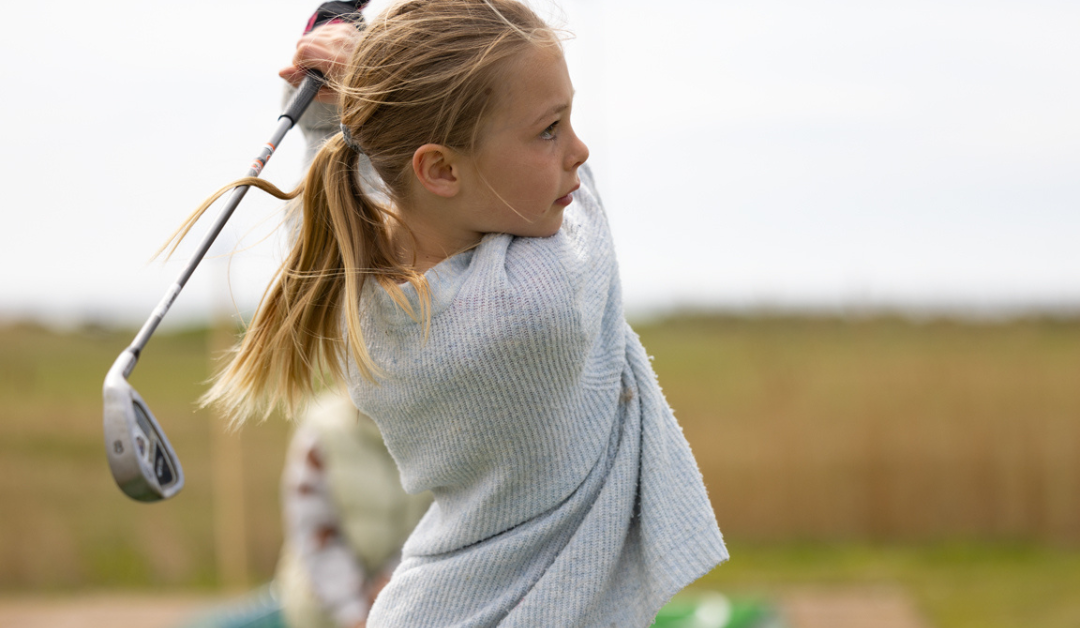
569 198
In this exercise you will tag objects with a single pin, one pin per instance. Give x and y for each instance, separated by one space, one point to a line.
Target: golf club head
141 459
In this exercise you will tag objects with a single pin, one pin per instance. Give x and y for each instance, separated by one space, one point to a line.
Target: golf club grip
307 91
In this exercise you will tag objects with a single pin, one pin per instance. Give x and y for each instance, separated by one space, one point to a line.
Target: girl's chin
547 225
553 222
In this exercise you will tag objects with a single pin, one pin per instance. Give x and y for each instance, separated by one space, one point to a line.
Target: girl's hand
328 49
376 586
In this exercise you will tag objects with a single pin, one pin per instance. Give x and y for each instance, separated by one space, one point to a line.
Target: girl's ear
437 168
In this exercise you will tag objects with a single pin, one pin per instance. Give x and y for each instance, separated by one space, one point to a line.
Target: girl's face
525 169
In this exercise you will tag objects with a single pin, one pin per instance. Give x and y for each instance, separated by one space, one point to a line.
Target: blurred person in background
346 517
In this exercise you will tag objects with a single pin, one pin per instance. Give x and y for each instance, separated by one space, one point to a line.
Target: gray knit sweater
565 492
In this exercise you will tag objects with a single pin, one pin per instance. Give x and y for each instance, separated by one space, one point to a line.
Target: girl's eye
550 132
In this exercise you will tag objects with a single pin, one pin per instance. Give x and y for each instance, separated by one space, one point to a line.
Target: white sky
802 153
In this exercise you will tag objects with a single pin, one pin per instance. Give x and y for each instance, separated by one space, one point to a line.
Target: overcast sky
829 154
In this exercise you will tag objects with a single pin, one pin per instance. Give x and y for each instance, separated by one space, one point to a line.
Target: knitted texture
565 492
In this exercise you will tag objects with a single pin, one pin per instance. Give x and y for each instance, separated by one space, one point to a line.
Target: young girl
470 300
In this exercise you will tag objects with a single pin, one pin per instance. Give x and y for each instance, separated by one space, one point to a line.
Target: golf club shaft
300 101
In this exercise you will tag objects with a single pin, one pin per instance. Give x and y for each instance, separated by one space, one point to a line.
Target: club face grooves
140 456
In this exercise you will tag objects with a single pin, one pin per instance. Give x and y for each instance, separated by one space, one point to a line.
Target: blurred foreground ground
98 611
826 585
799 608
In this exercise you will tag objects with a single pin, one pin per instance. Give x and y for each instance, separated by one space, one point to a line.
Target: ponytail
295 339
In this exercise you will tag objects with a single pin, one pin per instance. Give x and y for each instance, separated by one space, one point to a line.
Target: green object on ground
713 610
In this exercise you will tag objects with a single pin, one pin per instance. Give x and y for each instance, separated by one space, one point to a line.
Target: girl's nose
578 153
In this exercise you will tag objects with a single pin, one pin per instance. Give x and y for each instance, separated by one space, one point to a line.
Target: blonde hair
425 71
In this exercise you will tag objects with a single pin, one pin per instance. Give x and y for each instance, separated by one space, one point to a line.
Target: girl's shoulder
588 182
584 243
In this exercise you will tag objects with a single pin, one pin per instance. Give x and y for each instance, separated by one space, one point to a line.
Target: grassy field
937 456
880 429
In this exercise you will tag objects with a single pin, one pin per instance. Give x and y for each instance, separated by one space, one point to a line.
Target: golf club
141 458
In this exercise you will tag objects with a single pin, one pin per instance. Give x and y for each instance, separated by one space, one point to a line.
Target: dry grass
880 429
64 523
